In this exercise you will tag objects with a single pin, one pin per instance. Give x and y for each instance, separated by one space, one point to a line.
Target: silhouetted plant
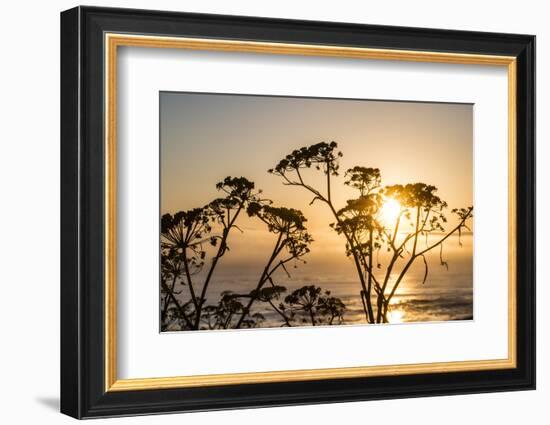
229 306
291 244
185 234
310 304
171 268
360 223
187 237
272 295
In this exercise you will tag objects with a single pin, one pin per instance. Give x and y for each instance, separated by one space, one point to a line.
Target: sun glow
390 211
395 316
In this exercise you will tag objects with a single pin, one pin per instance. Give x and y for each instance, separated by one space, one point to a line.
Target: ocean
446 295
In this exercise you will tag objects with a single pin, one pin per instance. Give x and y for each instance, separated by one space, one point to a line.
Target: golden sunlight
390 211
395 316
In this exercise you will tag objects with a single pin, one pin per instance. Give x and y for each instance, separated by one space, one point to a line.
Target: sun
390 211
396 316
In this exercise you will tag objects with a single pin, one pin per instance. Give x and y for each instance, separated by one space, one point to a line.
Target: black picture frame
83 392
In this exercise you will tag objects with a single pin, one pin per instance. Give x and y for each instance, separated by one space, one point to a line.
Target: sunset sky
205 137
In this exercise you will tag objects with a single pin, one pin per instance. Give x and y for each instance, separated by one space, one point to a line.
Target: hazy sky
205 137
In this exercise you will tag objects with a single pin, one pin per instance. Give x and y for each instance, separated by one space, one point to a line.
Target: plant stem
221 251
263 278
179 307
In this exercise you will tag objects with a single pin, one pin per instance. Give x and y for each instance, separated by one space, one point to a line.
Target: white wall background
29 211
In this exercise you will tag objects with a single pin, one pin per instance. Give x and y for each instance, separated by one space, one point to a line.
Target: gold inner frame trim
113 41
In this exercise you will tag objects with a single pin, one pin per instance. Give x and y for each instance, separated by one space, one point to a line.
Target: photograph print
286 212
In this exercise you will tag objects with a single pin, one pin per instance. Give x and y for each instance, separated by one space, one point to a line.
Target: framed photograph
261 212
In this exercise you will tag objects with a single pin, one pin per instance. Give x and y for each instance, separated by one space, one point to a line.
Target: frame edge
70 349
